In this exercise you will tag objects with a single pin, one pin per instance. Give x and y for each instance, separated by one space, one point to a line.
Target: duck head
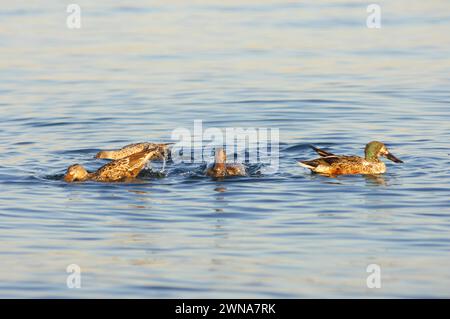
375 149
76 173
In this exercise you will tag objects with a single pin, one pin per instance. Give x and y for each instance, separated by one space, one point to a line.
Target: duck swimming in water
330 164
129 149
221 169
118 170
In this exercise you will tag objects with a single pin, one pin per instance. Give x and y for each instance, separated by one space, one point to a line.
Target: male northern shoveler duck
118 170
129 149
221 168
330 164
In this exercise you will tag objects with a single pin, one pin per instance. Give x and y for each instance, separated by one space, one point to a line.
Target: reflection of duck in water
118 170
330 164
375 180
129 149
221 169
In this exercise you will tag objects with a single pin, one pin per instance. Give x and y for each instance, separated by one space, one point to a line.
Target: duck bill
391 157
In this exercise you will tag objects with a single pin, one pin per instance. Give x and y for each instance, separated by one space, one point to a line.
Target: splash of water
163 165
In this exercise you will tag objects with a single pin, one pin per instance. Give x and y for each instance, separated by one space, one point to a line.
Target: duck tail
321 152
308 164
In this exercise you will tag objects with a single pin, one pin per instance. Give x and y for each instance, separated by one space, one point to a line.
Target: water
138 71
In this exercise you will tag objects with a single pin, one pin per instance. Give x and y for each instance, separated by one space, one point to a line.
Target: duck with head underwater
118 170
220 167
331 164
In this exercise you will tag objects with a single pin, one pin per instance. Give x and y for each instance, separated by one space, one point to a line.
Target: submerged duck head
76 173
375 149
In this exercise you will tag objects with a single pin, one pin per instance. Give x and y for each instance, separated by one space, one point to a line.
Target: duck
331 164
221 168
122 169
130 149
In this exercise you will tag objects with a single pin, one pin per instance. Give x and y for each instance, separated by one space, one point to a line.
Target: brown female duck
118 170
221 168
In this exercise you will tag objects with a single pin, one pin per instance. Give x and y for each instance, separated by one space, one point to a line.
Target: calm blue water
136 72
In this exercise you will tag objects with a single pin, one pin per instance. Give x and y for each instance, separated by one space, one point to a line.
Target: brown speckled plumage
130 149
330 164
221 169
117 170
